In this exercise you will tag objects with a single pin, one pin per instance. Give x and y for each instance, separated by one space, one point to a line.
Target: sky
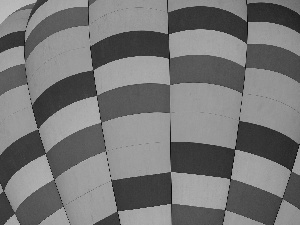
7 7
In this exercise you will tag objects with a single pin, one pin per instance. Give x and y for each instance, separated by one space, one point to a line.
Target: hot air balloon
161 112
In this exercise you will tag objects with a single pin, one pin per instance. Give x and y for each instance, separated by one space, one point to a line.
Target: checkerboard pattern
269 134
134 112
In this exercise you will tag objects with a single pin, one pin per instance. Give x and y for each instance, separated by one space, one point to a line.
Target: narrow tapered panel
16 126
273 13
14 101
253 202
1 189
199 190
238 8
93 207
91 1
207 69
130 71
130 44
135 104
62 124
292 193
153 215
275 35
17 21
273 85
142 192
113 219
296 168
129 19
288 214
139 160
267 143
60 42
59 217
12 221
205 98
273 58
43 202
201 159
137 129
208 18
29 6
64 19
100 8
12 40
184 215
260 173
19 154
37 5
12 78
188 127
77 61
50 8
6 211
134 99
76 148
11 58
62 94
291 4
233 218
28 180
213 43
271 114
85 176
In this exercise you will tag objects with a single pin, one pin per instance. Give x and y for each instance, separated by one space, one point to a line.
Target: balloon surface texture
150 112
